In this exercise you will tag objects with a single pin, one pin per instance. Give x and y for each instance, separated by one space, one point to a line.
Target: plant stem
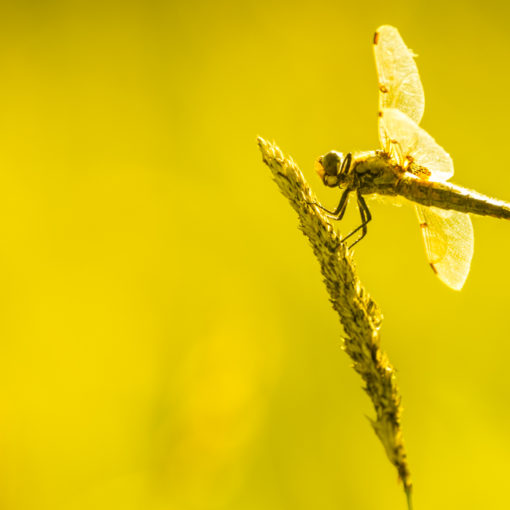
359 314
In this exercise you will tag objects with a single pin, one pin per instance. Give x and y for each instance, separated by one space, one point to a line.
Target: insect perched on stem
412 165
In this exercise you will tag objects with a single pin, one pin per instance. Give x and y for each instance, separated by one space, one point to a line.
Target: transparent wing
399 82
449 243
412 147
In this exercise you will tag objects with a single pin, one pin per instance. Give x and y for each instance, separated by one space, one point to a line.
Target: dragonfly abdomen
449 196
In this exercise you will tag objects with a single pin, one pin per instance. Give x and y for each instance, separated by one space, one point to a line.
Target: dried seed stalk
359 314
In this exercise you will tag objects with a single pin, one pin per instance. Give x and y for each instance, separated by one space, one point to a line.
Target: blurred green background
166 341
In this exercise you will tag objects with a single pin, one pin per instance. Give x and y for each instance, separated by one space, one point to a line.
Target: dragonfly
410 165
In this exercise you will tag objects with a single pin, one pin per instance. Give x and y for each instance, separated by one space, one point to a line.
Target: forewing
449 243
411 146
399 82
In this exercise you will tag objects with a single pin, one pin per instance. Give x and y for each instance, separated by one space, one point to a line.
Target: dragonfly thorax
374 172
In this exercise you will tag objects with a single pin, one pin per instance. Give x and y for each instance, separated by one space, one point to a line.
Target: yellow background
166 341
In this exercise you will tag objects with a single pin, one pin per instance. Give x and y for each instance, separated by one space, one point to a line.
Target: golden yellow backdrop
166 341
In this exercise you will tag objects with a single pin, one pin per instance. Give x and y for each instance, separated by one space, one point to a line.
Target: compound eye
331 163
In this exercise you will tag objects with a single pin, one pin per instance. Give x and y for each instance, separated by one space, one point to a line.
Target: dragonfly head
333 168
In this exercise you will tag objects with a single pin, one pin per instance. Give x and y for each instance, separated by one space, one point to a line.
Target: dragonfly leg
366 217
339 212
